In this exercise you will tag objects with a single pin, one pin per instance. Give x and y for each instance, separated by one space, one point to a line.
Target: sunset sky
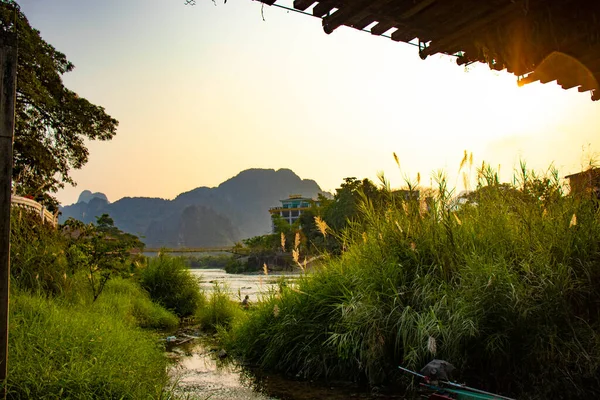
203 92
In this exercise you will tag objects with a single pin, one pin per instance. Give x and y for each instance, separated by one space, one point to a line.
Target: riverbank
68 348
503 286
86 318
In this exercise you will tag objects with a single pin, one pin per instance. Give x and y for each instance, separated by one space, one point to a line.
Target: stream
201 372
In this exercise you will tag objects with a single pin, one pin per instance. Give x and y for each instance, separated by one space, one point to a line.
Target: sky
203 92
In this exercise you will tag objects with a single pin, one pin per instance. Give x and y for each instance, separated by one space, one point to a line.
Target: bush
58 350
505 287
170 283
219 311
236 267
219 261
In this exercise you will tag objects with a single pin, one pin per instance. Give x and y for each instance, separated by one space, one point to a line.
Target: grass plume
504 286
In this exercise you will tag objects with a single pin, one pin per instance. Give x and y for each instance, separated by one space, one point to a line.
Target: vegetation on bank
169 282
220 311
82 325
218 261
58 349
504 285
276 250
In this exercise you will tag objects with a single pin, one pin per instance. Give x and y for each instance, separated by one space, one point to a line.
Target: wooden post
8 86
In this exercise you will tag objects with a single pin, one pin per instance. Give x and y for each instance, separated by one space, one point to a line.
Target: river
240 285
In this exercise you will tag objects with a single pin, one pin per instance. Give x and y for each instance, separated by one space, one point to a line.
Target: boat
436 383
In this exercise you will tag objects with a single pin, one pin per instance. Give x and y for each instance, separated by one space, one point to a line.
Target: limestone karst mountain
202 217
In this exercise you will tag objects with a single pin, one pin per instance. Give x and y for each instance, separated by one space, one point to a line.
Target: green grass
58 350
37 252
62 344
171 284
219 311
128 300
505 287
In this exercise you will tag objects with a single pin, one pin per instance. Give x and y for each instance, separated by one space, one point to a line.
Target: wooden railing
45 215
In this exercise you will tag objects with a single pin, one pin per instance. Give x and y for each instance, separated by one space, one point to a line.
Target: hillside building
292 208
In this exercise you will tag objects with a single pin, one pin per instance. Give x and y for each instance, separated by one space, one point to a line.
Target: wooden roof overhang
537 40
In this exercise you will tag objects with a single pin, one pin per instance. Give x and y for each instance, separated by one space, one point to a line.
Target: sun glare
514 109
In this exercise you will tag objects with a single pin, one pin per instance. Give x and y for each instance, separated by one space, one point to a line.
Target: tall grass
220 310
171 284
62 344
37 252
505 286
132 304
58 350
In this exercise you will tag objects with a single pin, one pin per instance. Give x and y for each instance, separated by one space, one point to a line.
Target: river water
240 285
199 373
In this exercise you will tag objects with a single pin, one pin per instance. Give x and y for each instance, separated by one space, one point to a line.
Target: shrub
234 266
170 283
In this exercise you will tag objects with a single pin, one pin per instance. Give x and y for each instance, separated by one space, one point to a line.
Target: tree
52 122
101 248
346 200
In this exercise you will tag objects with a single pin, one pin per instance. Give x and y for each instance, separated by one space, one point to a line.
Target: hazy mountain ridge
202 217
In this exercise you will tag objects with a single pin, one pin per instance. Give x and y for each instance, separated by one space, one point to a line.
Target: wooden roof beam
370 12
344 15
526 80
569 84
439 45
416 8
353 15
381 28
403 34
590 84
323 8
302 5
363 23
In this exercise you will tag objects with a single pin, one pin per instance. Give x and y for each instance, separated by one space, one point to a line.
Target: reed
505 285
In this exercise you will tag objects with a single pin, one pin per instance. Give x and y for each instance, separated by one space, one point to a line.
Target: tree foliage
102 248
339 212
52 122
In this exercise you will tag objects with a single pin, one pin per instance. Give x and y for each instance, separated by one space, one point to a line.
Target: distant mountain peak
86 196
